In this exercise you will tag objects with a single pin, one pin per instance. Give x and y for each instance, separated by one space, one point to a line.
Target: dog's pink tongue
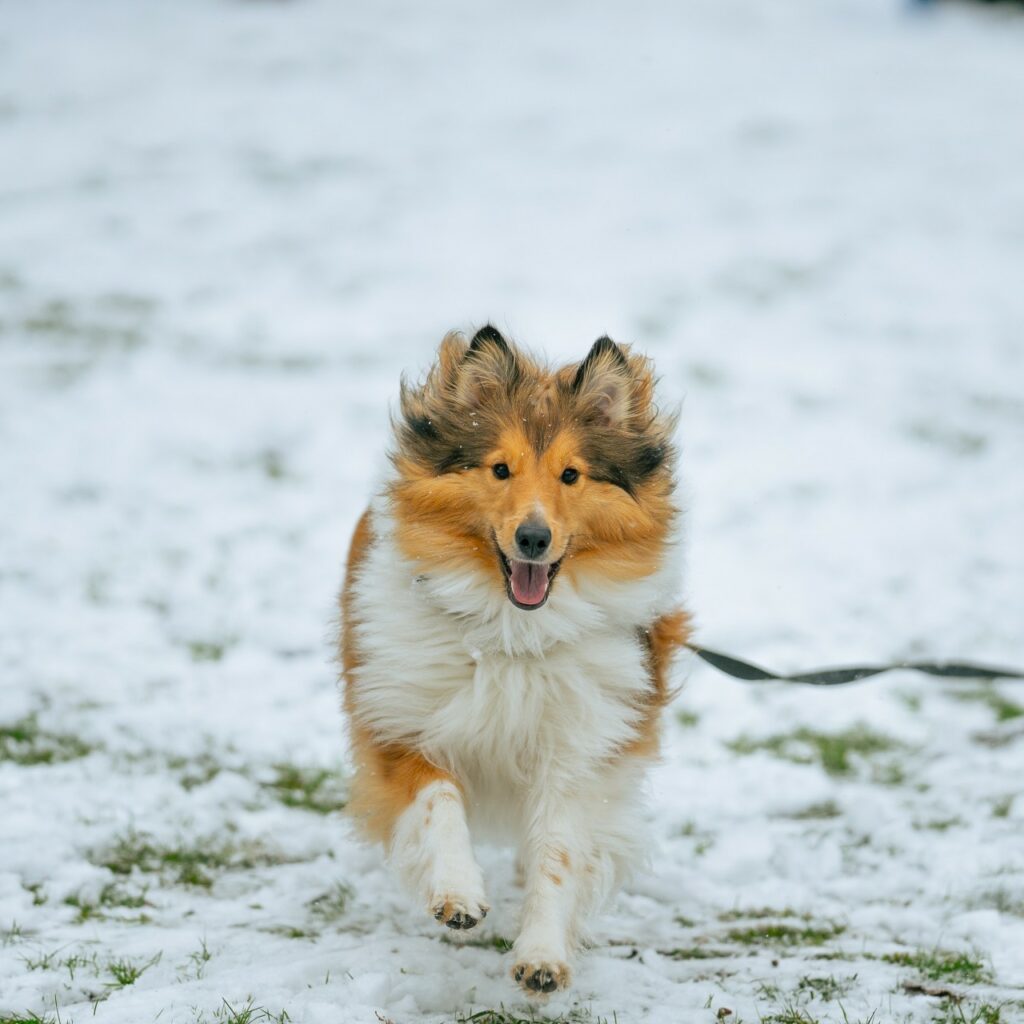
529 582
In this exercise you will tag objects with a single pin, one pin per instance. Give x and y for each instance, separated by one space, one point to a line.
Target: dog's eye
570 475
501 471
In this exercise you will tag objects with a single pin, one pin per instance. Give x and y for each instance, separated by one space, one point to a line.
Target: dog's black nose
532 541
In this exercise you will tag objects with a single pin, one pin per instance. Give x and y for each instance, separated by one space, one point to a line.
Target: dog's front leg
560 873
431 847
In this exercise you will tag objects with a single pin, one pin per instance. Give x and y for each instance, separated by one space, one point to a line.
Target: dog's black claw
520 971
483 913
542 981
439 914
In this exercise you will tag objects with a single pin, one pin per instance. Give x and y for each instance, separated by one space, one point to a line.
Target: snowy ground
226 227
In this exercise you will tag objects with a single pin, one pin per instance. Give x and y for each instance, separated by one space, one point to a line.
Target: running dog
509 619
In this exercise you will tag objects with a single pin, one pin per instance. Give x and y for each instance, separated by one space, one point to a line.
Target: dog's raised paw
541 977
458 913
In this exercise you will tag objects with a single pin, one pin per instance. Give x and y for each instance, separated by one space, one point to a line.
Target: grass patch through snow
186 863
312 789
24 742
835 752
785 935
937 965
1004 709
248 1014
113 896
125 972
696 953
776 932
957 1011
817 812
827 989
577 1015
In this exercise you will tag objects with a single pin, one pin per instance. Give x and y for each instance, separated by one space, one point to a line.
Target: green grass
937 965
195 771
815 812
331 906
786 936
207 650
938 824
124 972
703 841
577 1015
273 464
25 742
496 942
28 1018
39 897
1002 807
58 321
291 931
695 953
78 961
196 961
113 896
312 789
958 1011
687 719
779 927
248 1014
834 752
1002 900
40 961
760 914
1005 710
827 989
195 862
790 1015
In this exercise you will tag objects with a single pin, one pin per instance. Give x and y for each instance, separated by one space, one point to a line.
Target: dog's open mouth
527 583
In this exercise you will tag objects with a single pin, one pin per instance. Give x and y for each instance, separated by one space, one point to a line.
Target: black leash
837 676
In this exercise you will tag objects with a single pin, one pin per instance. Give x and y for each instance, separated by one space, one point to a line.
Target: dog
509 621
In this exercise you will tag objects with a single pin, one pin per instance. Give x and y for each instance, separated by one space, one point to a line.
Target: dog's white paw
540 976
456 910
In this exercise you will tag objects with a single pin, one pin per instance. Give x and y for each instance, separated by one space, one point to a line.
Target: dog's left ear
489 366
603 385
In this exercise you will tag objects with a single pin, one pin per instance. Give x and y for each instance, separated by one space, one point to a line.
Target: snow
228 227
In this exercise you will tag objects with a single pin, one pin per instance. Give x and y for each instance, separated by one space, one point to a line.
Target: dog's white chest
519 713
498 695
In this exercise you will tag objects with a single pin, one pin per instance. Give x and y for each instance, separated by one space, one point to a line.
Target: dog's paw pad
458 914
541 977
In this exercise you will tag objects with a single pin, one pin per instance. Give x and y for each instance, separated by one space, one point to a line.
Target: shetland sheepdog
509 618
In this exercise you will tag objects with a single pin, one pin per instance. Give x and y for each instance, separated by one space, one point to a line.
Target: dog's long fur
470 710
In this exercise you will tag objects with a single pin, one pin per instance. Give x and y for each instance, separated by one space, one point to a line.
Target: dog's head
522 473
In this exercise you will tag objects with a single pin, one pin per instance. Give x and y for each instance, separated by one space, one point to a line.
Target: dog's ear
489 365
488 335
604 385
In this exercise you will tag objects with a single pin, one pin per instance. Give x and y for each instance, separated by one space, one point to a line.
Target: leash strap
744 670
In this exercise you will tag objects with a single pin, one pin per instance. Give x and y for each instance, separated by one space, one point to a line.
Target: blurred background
226 228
